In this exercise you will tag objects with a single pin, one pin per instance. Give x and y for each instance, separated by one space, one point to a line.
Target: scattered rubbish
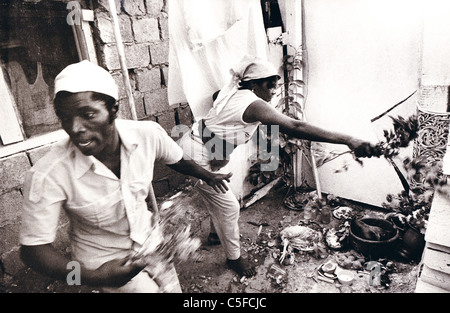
336 238
259 230
350 260
325 214
258 224
166 205
179 193
343 212
277 274
330 272
325 279
326 271
298 200
345 277
261 192
301 238
329 267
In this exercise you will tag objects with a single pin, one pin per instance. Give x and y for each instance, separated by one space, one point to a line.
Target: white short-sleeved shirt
229 124
108 216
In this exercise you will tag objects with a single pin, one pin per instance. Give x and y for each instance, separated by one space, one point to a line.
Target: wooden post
293 21
121 53
126 80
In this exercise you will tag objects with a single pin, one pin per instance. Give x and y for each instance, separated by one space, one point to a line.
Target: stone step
424 287
438 229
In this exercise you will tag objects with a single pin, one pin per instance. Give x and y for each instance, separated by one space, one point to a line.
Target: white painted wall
436 43
436 59
363 56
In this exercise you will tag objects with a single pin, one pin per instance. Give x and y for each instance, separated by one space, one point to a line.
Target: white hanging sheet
206 39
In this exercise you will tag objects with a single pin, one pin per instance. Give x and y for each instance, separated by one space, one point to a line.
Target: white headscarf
249 68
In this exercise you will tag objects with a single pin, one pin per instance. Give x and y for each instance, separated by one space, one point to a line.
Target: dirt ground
260 226
262 246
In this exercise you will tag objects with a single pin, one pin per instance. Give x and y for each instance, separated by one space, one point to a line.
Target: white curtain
207 37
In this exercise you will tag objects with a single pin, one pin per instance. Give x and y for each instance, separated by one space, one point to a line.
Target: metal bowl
374 249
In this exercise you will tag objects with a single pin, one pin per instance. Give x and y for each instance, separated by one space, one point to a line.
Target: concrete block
106 29
164 27
105 5
124 110
12 171
120 84
156 101
148 79
37 153
10 207
149 118
139 104
134 7
164 75
154 7
10 238
185 116
159 52
146 29
167 121
135 56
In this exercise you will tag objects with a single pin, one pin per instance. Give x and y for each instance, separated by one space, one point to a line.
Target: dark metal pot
374 249
412 244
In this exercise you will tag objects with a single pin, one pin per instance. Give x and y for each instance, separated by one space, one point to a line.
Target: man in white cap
101 177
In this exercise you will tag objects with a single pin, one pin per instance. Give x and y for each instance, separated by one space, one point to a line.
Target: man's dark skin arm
215 180
48 261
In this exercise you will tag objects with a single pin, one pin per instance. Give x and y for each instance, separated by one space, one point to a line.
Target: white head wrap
86 76
249 68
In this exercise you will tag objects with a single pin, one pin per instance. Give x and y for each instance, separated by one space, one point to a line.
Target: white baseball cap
86 76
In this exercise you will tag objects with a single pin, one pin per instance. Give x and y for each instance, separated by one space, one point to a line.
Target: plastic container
345 277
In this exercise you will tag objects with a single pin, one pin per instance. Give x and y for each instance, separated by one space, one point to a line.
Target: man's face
87 122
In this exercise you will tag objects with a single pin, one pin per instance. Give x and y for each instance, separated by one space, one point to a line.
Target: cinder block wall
144 29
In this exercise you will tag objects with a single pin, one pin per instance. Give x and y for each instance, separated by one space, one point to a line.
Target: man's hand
48 261
217 181
115 273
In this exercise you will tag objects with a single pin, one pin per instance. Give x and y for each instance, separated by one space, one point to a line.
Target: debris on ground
261 226
301 238
261 192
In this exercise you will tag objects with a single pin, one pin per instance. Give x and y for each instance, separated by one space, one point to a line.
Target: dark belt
215 145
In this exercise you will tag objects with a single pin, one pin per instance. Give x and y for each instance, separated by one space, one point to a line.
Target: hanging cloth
206 39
